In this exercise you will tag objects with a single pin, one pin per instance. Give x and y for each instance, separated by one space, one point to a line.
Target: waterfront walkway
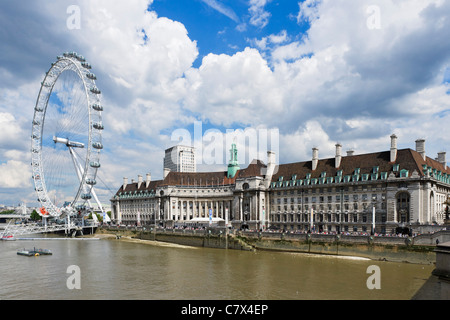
428 239
419 249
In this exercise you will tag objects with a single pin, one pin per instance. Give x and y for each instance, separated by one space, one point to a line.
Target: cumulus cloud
233 89
15 174
138 57
338 81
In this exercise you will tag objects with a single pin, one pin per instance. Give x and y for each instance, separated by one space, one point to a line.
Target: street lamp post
374 201
154 217
342 210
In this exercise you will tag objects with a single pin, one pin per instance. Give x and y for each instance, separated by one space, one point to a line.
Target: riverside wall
419 249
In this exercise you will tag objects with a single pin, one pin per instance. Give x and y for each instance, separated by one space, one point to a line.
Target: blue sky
226 27
318 71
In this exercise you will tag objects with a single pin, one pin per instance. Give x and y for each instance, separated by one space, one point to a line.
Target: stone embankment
419 249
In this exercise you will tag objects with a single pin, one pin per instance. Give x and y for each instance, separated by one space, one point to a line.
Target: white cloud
15 174
233 89
308 11
139 60
338 81
351 79
13 135
220 7
259 17
267 42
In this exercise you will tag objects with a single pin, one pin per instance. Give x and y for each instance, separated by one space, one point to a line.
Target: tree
35 216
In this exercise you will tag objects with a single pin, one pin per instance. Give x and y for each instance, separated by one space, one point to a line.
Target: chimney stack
139 181
148 180
442 159
350 153
420 148
125 183
338 157
315 158
166 172
393 148
271 164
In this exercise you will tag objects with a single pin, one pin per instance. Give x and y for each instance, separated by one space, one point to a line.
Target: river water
144 270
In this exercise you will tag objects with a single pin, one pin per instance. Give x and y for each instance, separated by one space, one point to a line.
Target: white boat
9 237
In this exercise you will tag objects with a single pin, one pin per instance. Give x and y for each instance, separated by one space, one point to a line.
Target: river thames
144 270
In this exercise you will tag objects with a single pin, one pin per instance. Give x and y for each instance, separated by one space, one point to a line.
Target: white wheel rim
73 113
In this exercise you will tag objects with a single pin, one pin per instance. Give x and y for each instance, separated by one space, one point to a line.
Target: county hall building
403 189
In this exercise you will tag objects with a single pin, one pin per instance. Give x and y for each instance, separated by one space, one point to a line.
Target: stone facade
403 189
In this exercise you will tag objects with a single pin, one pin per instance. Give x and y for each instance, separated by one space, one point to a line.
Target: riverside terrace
393 191
401 248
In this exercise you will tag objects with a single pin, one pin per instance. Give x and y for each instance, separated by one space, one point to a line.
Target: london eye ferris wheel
66 139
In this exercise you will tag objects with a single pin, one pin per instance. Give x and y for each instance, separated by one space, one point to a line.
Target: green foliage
35 216
8 212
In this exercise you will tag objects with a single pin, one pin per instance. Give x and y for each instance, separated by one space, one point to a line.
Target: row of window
329 207
340 177
337 198
347 217
331 190
331 228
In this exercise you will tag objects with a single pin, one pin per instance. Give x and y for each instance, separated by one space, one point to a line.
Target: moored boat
8 237
34 252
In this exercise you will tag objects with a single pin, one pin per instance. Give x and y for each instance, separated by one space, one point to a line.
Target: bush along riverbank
397 249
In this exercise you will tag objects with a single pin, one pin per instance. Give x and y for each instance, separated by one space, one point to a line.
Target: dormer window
404 173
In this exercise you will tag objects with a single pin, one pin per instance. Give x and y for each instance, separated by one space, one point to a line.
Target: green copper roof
233 165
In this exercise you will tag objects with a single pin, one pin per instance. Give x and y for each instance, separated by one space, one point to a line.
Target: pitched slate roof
134 186
199 179
407 159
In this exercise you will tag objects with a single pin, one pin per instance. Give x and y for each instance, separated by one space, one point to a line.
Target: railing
33 228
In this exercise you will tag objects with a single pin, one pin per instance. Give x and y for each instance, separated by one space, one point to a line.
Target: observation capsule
86 196
97 107
97 145
98 126
95 90
94 164
91 182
